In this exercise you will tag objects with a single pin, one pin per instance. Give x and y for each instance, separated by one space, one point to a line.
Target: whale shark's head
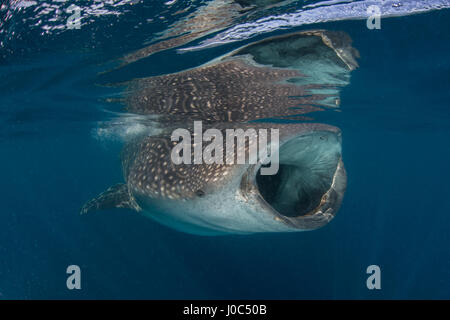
304 191
307 190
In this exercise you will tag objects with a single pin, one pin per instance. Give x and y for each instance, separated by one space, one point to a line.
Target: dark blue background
396 213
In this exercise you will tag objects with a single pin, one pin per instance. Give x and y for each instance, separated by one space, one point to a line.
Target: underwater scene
225 149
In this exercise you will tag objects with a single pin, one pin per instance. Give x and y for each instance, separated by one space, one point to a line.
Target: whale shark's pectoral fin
116 196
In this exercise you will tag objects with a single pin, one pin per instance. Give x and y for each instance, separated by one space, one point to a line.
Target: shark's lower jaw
309 186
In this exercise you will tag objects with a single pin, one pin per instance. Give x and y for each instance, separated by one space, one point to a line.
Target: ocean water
61 136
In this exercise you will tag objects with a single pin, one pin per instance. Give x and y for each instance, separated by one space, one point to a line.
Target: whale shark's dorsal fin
116 196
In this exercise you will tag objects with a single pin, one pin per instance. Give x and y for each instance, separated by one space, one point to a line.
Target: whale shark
253 87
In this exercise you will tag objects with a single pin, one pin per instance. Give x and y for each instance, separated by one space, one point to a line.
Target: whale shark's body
280 77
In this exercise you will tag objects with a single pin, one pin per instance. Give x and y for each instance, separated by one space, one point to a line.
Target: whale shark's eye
306 169
200 193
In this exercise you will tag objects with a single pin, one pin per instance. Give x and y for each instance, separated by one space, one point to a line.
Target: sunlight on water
321 12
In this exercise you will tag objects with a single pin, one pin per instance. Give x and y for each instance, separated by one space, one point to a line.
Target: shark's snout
308 188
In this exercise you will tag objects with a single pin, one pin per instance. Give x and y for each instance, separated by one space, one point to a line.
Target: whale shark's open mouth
308 187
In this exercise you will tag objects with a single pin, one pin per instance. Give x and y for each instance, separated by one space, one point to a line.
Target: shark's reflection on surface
211 17
251 88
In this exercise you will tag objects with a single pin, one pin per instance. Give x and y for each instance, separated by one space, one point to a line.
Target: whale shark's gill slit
306 170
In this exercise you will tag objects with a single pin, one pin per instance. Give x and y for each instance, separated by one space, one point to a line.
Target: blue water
395 120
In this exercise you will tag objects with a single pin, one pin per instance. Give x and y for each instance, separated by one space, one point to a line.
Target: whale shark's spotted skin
154 174
280 77
235 88
227 91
